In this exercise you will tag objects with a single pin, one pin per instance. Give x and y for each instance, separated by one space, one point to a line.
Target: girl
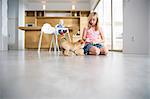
94 37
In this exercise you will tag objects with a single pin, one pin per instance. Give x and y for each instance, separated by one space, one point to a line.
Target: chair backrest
61 30
47 29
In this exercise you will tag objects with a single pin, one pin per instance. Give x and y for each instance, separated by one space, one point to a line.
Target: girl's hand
101 41
88 40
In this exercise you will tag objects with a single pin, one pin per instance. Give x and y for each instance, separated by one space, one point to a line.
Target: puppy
71 49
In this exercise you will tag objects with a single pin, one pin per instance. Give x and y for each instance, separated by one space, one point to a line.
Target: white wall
15 19
0 24
3 25
58 6
21 37
12 24
149 26
135 38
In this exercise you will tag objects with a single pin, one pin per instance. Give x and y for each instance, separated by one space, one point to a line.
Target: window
111 19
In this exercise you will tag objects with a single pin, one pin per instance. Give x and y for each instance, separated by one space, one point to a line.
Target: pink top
92 36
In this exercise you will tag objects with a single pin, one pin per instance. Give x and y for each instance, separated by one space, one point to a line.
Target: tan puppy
70 49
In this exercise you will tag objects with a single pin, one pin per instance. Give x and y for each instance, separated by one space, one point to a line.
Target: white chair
47 29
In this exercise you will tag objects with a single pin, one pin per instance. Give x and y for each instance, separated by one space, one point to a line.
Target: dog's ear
81 41
84 40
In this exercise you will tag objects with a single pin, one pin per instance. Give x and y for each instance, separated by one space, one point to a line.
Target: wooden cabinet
74 20
83 23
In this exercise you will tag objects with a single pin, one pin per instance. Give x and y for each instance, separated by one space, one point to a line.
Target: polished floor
29 75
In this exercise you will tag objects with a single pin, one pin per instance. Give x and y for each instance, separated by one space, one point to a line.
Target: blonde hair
91 15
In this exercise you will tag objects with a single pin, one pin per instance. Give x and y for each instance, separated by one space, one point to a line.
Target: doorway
111 20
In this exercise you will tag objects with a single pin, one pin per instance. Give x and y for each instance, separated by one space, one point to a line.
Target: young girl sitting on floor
94 37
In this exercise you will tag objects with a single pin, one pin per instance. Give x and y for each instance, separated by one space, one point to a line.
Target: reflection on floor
27 75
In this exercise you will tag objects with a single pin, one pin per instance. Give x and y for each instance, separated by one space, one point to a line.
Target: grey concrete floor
28 75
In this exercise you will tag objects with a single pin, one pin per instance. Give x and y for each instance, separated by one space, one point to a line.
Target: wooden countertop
30 28
34 28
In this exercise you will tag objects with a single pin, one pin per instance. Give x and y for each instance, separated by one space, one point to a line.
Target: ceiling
57 1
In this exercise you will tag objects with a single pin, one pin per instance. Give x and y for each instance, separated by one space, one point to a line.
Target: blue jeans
89 45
